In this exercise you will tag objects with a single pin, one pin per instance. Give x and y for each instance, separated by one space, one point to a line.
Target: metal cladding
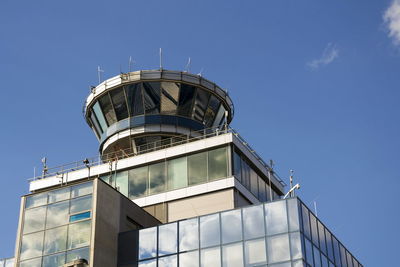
142 107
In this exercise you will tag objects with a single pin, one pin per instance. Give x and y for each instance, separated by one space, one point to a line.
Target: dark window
169 98
151 93
211 111
118 100
107 109
135 99
186 96
200 105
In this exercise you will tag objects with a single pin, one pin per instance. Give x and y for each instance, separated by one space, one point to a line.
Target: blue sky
315 86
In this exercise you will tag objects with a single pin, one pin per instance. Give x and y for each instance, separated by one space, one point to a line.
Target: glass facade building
282 233
173 185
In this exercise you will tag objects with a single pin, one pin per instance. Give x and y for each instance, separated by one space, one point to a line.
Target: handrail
150 147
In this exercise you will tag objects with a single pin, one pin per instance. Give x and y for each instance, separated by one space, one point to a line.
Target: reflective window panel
135 99
321 234
82 253
34 219
232 255
81 190
79 234
317 257
100 116
119 103
217 163
107 109
278 248
275 217
295 245
293 213
167 239
57 214
31 246
149 263
211 111
231 223
157 178
237 171
81 204
306 221
147 243
138 182
59 195
169 97
253 182
314 229
29 263
253 222
197 165
255 252
170 261
186 98
188 234
189 259
209 230
177 173
36 200
200 104
151 96
55 240
54 260
121 182
210 257
9 262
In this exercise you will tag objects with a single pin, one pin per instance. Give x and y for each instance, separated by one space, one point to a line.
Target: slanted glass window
170 261
210 257
107 109
29 263
31 246
336 251
211 111
59 195
314 229
200 104
135 99
275 217
253 222
343 255
36 200
79 216
217 164
295 245
147 243
81 204
232 255
209 230
189 259
293 212
317 257
79 234
119 103
237 165
82 253
34 219
278 248
188 234
255 252
231 223
55 240
253 182
177 173
186 98
151 95
167 239
220 116
157 178
309 252
121 182
169 98
306 221
321 234
329 244
54 260
197 164
96 125
100 116
81 190
138 182
245 174
262 195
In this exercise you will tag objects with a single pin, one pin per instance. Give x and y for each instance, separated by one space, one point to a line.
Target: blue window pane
80 216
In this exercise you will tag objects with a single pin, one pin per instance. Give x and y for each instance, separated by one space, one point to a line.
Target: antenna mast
99 71
160 59
187 68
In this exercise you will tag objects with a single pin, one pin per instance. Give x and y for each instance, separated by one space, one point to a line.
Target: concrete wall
110 213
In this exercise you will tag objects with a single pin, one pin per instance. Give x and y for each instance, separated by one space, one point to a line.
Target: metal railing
150 147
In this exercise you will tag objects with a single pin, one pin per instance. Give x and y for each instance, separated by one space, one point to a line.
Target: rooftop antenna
187 68
44 163
130 63
291 179
160 58
271 170
201 72
297 186
315 208
99 71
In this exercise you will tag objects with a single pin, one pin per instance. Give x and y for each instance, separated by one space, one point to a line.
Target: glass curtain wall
270 234
56 226
257 184
171 174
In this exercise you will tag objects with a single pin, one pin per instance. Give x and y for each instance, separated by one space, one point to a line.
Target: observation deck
133 109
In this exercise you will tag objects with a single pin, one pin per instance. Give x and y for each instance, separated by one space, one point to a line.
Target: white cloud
331 52
392 20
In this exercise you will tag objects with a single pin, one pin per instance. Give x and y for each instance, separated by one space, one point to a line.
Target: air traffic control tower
134 111
173 185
